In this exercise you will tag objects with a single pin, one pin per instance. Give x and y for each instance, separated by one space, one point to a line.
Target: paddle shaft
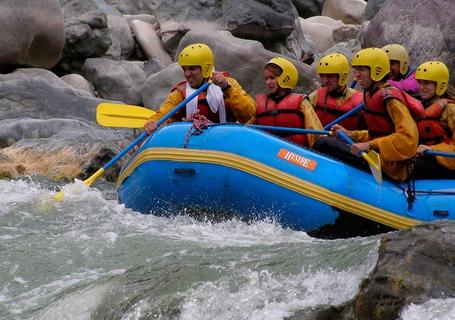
344 116
109 114
364 155
344 136
287 129
439 154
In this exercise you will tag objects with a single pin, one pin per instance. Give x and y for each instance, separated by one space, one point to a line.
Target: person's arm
311 121
360 135
172 100
402 144
241 104
447 116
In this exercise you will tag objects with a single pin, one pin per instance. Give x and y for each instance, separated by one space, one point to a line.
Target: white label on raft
297 159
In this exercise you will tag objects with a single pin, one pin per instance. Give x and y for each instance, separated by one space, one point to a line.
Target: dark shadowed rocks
308 8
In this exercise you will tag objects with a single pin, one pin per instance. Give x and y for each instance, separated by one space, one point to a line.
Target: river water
89 257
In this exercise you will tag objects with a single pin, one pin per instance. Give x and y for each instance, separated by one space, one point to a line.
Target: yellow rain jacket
448 118
398 147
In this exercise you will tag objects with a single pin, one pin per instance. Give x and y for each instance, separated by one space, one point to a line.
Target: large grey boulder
263 20
426 30
116 80
47 96
87 34
33 33
177 17
80 83
123 44
320 30
149 41
94 29
50 128
158 85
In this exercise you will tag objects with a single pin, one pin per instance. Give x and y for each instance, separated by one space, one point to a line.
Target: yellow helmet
399 53
289 76
376 59
434 71
197 54
335 63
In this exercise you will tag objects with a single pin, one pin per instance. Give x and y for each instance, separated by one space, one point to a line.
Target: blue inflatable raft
252 174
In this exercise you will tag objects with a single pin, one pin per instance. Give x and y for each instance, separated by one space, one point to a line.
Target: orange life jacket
202 105
431 130
377 119
327 109
284 114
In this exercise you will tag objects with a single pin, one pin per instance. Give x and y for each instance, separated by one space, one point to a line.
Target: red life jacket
202 105
377 119
431 130
284 114
327 109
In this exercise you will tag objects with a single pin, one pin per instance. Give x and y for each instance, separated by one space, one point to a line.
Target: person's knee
324 144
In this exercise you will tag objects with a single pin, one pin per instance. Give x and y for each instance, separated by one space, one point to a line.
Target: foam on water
261 294
440 309
32 298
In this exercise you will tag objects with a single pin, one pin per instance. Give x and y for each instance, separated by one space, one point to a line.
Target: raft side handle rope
200 123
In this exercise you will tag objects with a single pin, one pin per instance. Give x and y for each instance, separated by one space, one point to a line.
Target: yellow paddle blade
58 196
374 161
122 115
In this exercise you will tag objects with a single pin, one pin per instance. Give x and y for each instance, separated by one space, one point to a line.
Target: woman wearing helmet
222 102
391 132
283 108
334 98
437 130
401 75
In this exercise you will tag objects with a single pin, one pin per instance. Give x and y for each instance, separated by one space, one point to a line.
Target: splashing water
89 257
